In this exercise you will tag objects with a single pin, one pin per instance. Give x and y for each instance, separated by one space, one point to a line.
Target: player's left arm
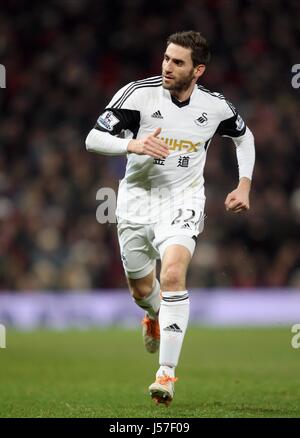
235 128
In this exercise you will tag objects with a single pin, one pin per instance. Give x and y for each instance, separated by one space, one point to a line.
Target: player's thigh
137 256
176 255
176 244
175 262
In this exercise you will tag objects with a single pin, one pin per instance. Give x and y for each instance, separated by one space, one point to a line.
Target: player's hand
150 145
238 200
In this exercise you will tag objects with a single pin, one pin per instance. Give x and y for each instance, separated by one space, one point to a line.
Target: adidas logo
173 328
186 225
157 115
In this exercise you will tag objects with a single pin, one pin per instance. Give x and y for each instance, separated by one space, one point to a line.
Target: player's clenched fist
150 145
238 200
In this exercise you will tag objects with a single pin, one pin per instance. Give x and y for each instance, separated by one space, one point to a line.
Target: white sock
164 370
173 321
152 302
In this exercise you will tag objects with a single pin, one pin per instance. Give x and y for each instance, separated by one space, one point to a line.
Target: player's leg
174 310
146 294
173 316
139 266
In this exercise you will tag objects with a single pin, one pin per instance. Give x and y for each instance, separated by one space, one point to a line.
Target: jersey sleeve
232 124
122 113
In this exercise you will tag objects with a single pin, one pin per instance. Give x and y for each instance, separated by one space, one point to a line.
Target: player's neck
183 95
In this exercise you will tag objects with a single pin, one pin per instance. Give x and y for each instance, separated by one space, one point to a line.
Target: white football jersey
152 189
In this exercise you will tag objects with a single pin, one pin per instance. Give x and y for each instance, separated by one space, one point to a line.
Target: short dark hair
194 41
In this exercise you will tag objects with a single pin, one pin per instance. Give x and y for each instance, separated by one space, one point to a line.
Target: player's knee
171 279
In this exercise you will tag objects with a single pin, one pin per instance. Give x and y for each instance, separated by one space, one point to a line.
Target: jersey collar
184 102
178 103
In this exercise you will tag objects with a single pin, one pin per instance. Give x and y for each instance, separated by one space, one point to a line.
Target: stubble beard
181 84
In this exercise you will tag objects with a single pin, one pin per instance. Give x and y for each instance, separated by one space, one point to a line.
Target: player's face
178 71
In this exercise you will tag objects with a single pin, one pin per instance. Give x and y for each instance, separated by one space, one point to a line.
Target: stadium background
64 60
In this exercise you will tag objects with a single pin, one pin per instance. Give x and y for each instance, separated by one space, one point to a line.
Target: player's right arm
102 139
150 145
106 144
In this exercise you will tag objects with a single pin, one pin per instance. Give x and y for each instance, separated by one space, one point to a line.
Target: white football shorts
142 244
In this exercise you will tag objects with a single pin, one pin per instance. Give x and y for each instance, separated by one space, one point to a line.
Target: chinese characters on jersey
183 161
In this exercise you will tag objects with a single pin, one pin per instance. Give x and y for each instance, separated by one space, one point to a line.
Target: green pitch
106 373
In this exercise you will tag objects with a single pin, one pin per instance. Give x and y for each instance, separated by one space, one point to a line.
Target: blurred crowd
64 60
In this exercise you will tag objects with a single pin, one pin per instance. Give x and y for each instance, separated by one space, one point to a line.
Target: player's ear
200 69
